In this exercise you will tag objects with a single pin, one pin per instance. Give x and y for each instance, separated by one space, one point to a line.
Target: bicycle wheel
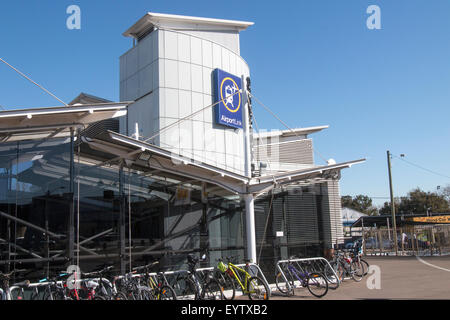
185 289
356 270
227 284
340 271
120 296
332 278
167 293
317 284
365 265
146 294
212 291
284 286
257 289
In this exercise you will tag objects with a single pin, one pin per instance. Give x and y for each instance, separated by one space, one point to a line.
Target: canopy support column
250 227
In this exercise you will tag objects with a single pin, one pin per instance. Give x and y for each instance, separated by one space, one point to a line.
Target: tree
445 192
418 202
359 203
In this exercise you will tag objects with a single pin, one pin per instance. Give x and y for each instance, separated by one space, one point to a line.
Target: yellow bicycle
253 286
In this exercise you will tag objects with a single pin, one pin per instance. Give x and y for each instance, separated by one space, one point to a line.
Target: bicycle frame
301 277
232 269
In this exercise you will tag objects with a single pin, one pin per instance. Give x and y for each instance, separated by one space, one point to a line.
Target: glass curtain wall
60 199
35 188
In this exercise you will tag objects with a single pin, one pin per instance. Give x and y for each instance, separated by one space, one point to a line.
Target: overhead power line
423 168
282 122
32 81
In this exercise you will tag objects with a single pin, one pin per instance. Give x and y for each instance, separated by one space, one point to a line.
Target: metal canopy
152 19
42 123
156 158
265 183
151 157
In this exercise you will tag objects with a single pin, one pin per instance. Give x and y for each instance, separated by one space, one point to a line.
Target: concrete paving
401 278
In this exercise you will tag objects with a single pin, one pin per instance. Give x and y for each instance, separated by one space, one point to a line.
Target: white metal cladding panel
148 107
207 53
207 81
196 51
184 48
146 80
145 51
180 67
171 45
331 210
229 40
299 151
184 76
171 75
186 134
185 103
336 214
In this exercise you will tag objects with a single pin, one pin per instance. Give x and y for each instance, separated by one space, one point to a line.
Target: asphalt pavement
403 278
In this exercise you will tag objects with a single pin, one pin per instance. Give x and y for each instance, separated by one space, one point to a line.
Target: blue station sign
229 95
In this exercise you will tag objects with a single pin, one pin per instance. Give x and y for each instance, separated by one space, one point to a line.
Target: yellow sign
182 196
435 219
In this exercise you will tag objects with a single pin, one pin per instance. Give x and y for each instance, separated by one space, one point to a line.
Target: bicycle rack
251 272
258 271
320 264
60 283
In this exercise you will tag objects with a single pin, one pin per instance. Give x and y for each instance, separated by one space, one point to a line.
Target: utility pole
394 224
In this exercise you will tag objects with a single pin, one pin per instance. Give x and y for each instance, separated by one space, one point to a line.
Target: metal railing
317 264
253 270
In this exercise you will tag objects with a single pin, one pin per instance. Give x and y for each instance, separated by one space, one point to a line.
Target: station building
176 167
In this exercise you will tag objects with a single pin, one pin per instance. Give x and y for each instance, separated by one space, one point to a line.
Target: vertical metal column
249 199
250 227
71 223
121 221
8 221
204 235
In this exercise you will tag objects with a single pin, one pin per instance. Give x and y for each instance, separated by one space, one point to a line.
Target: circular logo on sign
228 95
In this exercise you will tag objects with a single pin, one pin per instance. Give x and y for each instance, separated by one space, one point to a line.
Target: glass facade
61 205
35 188
62 202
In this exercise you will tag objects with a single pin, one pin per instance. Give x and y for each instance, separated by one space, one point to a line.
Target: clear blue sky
314 62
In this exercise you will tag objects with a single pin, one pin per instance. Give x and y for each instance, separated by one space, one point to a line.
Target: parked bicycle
6 290
98 287
52 288
191 286
356 255
158 285
345 266
226 280
252 285
315 282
